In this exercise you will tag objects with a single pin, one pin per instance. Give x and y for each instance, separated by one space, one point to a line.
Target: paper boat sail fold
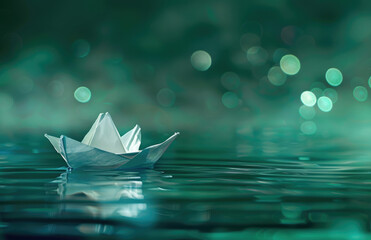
104 135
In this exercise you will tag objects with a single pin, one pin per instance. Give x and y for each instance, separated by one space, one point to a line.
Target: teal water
245 190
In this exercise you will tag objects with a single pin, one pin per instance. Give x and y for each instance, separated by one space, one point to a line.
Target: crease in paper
103 148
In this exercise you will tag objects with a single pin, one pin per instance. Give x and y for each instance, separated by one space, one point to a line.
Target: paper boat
103 148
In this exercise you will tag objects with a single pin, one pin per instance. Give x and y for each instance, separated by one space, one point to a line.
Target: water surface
260 190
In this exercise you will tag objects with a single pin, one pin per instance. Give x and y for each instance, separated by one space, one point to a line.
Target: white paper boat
103 148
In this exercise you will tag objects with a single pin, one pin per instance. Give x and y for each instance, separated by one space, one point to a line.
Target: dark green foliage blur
135 57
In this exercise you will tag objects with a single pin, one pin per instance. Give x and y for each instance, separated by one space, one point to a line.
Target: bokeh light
308 127
308 98
290 64
306 112
324 104
248 40
331 93
230 80
230 100
369 82
317 91
56 88
201 60
82 94
360 93
276 76
257 56
81 48
166 97
334 77
290 34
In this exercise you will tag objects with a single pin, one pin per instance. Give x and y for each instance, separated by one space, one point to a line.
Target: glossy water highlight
225 193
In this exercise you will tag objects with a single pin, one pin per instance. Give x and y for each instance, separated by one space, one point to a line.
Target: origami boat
103 148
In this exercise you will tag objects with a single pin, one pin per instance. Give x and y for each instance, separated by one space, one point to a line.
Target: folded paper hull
81 156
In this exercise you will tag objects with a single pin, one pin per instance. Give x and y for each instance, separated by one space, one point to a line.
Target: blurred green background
215 68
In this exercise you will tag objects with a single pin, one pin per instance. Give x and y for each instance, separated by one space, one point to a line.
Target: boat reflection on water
96 202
